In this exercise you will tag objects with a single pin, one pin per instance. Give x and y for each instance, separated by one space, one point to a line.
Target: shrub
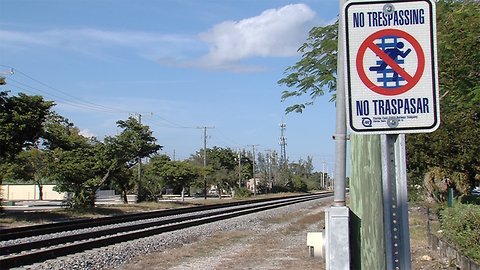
280 189
471 199
242 192
461 226
299 184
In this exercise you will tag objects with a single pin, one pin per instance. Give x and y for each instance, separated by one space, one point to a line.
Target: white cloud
274 33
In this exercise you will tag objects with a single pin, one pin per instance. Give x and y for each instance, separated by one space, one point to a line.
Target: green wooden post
366 203
450 197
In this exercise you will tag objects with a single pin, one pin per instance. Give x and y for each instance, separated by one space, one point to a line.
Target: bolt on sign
391 66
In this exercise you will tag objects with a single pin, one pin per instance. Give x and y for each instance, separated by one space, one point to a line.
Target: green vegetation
449 157
21 119
242 193
41 147
454 147
461 225
54 152
446 158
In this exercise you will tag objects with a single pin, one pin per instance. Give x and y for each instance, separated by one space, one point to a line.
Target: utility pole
269 165
323 175
205 158
337 252
283 155
239 168
283 144
253 169
139 180
2 79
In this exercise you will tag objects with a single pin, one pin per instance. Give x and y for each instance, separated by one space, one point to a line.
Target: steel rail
28 231
86 241
16 248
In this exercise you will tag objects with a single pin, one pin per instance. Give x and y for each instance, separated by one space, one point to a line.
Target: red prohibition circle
369 43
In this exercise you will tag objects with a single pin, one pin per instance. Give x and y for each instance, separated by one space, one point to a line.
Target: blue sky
181 64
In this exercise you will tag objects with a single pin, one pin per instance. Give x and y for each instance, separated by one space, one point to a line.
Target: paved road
33 206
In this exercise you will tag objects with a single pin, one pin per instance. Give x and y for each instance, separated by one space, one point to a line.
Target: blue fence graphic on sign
387 77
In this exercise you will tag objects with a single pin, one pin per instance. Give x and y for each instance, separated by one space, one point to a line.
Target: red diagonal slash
387 59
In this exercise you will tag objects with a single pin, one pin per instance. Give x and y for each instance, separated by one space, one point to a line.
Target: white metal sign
391 66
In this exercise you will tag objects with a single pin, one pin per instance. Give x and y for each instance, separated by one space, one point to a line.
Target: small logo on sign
366 122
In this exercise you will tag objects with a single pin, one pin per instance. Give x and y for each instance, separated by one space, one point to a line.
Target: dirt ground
283 247
279 244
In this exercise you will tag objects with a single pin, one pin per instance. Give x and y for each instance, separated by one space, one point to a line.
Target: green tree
179 173
264 171
245 167
299 184
59 132
84 165
152 180
124 151
222 167
301 172
454 147
76 171
314 73
137 138
31 165
75 161
39 163
21 122
222 162
315 181
122 178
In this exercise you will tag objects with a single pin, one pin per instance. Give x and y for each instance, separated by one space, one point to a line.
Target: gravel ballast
127 255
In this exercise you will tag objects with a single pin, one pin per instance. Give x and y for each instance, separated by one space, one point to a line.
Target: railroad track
33 244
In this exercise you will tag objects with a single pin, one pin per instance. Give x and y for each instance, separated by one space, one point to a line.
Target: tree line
38 145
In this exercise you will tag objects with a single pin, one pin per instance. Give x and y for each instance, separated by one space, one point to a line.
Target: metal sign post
395 202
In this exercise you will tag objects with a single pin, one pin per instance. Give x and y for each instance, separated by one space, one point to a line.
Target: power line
69 98
72 100
22 87
161 122
229 142
171 123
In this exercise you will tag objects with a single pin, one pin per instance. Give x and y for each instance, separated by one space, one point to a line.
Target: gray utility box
337 246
